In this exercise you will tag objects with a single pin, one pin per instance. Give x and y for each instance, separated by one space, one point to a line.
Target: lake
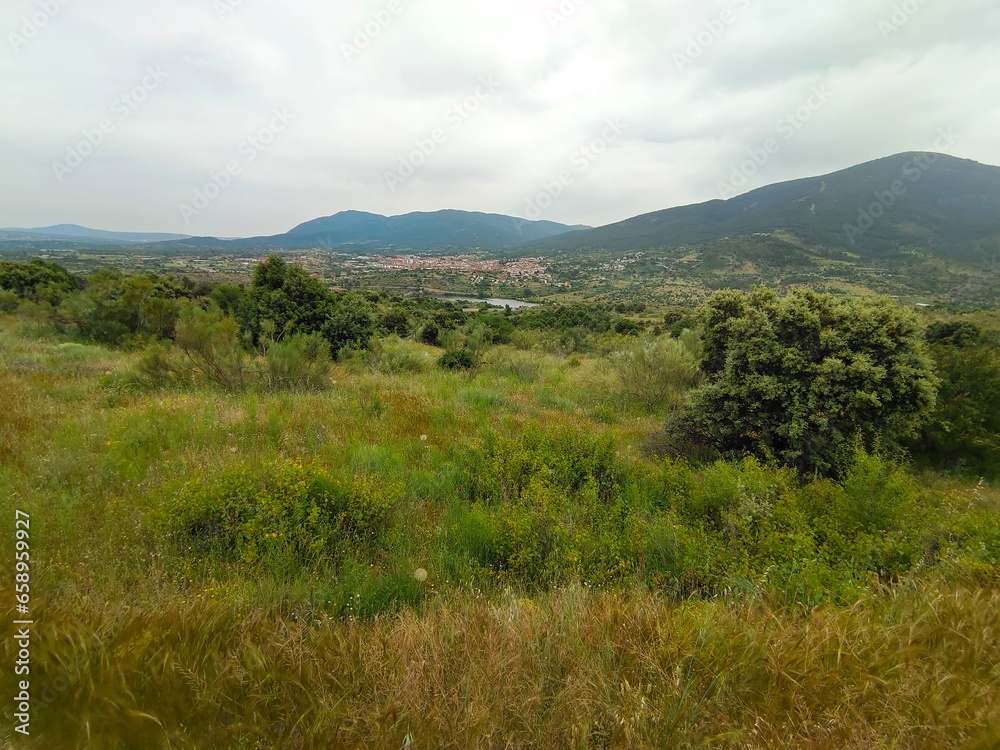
492 301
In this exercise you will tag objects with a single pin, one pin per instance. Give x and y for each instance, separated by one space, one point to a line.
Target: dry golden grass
919 668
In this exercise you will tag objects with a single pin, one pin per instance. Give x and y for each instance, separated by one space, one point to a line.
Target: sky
244 117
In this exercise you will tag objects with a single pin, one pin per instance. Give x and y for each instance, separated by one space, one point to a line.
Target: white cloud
564 69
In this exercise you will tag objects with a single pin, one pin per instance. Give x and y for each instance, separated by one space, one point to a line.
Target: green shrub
735 496
878 495
159 367
429 334
797 379
300 362
545 507
874 520
280 517
953 333
393 356
499 469
8 301
683 559
36 279
964 432
211 342
657 372
458 359
548 535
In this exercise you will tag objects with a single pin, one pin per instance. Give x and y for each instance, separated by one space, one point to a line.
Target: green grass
579 593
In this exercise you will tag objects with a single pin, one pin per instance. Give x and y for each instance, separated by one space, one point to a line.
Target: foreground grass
139 643
915 668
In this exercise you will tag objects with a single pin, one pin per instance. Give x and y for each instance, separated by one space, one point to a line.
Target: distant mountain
75 232
357 231
947 206
937 206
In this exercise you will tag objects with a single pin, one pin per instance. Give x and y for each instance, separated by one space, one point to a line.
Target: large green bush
798 379
36 280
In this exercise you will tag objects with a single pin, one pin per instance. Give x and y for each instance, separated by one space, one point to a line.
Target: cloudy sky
246 117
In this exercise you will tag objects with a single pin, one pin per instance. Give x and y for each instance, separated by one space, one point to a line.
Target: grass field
507 563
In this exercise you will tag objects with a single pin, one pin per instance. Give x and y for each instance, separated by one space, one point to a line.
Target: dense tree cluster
36 280
964 430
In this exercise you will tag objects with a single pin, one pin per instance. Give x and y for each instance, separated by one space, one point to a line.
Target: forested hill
947 206
420 231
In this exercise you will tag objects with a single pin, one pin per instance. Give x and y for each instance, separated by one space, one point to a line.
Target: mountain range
76 233
940 205
358 231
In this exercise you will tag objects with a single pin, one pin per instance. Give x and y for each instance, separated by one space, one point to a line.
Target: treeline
282 303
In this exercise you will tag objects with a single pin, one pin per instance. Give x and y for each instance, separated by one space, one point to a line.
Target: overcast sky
246 117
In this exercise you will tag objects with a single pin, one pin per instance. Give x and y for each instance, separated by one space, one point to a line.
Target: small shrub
735 497
298 363
878 495
500 469
280 517
393 356
159 367
460 359
656 373
211 342
429 334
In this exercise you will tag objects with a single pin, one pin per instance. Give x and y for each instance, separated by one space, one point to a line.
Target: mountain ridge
942 205
77 232
444 230
918 199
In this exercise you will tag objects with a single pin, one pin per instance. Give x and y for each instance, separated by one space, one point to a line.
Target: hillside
947 206
447 230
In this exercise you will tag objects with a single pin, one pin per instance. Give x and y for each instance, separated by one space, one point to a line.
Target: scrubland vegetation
278 516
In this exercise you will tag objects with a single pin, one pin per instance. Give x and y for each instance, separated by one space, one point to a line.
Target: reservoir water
492 301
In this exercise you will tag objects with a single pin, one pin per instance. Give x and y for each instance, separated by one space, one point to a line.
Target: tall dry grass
915 668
